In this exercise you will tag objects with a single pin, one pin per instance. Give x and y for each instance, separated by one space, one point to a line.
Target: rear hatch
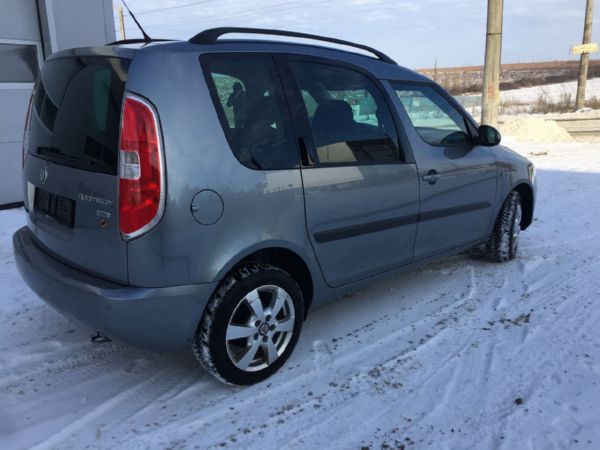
71 162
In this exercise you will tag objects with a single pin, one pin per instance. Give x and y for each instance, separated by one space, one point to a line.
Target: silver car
209 193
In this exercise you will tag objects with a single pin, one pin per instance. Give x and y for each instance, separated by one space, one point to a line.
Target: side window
350 119
310 103
248 96
434 118
232 95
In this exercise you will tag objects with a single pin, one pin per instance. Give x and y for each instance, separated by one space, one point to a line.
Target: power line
241 14
151 11
236 14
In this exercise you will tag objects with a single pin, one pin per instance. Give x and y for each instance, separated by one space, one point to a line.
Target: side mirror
488 136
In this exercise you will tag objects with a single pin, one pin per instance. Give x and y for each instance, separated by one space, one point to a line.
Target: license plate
59 208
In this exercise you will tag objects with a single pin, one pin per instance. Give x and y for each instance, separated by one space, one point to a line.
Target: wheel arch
527 202
282 257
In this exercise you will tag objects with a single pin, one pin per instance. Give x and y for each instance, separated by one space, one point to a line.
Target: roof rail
211 36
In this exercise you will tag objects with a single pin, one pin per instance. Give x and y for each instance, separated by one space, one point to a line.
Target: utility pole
121 22
585 56
491 70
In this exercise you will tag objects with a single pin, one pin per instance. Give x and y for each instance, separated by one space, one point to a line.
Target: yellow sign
585 48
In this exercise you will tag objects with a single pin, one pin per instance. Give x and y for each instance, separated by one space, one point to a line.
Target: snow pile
536 129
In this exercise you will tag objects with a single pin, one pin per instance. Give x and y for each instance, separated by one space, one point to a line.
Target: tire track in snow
112 411
378 343
347 360
289 381
488 362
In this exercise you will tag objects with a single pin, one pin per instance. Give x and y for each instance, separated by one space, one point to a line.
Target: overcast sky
413 32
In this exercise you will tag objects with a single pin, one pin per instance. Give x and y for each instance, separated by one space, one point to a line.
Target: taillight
25 150
141 171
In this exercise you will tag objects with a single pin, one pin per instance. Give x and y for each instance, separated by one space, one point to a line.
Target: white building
30 30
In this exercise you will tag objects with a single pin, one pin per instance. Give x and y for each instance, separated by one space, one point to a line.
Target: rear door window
247 93
350 119
77 112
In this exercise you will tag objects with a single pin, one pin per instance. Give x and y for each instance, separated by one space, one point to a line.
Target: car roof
378 68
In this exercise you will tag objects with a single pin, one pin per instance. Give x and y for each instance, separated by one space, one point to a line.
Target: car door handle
431 177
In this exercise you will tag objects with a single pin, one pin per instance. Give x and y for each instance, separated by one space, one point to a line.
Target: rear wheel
503 244
251 324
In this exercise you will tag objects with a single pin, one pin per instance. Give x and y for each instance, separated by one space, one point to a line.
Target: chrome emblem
44 174
263 329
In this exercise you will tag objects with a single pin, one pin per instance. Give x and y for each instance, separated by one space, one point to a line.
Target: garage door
19 65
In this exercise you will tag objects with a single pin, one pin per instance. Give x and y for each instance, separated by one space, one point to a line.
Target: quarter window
350 119
247 93
434 118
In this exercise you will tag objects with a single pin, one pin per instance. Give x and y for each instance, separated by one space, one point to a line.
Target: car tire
503 244
241 339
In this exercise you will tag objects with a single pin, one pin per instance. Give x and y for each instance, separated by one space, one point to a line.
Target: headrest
333 113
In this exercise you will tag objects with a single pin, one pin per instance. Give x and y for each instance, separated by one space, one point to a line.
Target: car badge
44 174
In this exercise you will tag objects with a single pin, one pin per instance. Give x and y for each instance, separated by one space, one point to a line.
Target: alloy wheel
260 328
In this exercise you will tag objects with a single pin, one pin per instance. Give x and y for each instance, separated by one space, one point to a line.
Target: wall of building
19 32
76 23
31 30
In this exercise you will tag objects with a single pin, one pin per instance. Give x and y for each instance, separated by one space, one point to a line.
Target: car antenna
146 37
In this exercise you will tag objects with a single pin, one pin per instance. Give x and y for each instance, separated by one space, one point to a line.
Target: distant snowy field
554 91
515 101
460 354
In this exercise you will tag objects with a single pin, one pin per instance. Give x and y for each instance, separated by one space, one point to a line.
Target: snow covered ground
459 354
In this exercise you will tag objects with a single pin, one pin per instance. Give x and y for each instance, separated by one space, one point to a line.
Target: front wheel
503 244
251 324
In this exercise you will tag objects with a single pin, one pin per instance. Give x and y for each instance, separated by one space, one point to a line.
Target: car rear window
76 112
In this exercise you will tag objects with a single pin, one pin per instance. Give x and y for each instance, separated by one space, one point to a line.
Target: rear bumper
162 319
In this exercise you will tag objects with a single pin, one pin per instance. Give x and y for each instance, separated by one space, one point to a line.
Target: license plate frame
56 207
